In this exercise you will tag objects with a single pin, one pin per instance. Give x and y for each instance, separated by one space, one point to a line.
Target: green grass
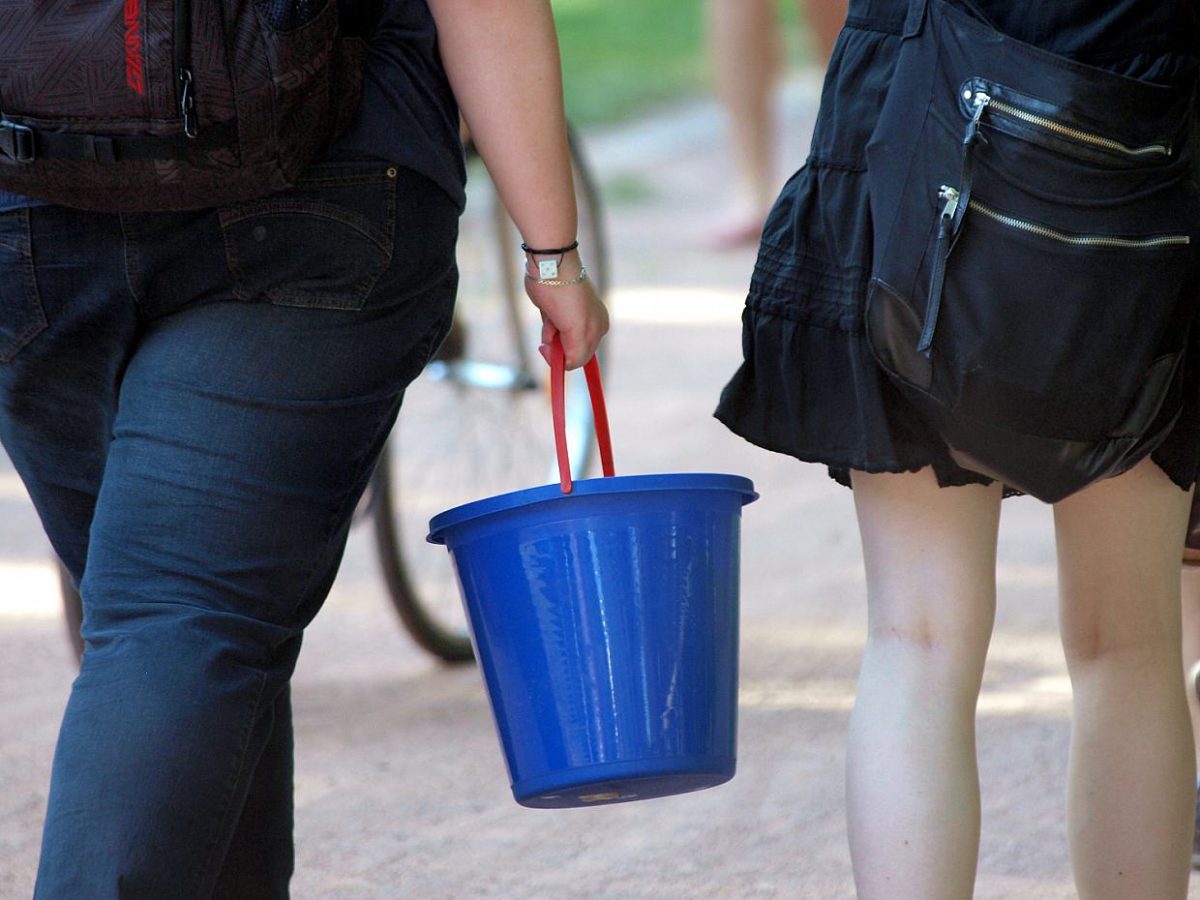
623 57
626 189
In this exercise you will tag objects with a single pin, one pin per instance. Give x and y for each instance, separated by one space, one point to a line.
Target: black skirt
809 386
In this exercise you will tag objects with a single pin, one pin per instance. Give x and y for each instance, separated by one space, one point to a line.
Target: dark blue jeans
195 402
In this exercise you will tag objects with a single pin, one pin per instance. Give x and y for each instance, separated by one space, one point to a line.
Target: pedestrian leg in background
1131 783
746 55
912 780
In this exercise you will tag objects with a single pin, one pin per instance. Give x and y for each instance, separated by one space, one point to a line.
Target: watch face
548 268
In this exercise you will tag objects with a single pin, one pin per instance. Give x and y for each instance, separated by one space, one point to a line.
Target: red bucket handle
558 406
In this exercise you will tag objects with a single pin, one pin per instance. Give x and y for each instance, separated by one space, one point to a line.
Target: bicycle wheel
477 421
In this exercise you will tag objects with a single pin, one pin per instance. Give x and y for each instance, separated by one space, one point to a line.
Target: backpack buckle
16 141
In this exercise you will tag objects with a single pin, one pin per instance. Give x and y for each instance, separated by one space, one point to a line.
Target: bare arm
502 60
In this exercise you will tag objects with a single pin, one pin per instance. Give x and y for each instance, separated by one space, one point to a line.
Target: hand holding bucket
604 615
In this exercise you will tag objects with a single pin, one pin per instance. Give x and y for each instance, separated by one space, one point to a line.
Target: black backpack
129 105
1035 278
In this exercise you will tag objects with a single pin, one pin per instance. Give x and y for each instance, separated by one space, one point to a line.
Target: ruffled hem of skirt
815 393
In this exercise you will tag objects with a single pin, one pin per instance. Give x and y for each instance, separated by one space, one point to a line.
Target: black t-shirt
408 115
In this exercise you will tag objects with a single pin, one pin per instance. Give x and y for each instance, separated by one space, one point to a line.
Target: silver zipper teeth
1081 240
1075 134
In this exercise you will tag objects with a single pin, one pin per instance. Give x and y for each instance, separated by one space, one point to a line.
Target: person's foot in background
745 53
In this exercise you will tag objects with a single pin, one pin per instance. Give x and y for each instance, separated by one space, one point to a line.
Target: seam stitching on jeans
329 530
128 258
385 426
206 868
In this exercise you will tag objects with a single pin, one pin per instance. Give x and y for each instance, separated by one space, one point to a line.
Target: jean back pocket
322 243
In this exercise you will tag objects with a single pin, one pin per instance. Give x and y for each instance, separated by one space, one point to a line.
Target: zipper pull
980 103
187 103
951 196
933 303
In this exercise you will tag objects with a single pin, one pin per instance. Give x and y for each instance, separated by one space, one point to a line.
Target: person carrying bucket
1040 157
195 398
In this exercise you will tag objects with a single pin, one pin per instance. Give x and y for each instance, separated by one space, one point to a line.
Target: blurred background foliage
624 57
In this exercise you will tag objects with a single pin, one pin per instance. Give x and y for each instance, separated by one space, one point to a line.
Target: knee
918 635
188 651
951 623
1143 652
944 647
1142 633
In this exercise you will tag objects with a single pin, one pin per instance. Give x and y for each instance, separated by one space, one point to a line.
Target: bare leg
912 782
745 59
825 19
1131 785
1191 666
1191 646
745 50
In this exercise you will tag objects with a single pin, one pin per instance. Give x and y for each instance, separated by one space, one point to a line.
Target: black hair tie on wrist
556 251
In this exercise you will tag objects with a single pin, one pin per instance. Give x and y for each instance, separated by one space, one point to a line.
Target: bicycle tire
428 604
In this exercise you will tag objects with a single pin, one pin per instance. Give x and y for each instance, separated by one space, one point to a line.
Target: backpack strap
22 144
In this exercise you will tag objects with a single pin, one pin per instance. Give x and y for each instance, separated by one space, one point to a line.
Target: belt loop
915 20
105 150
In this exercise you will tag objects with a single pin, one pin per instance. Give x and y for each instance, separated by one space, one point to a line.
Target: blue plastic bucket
605 622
